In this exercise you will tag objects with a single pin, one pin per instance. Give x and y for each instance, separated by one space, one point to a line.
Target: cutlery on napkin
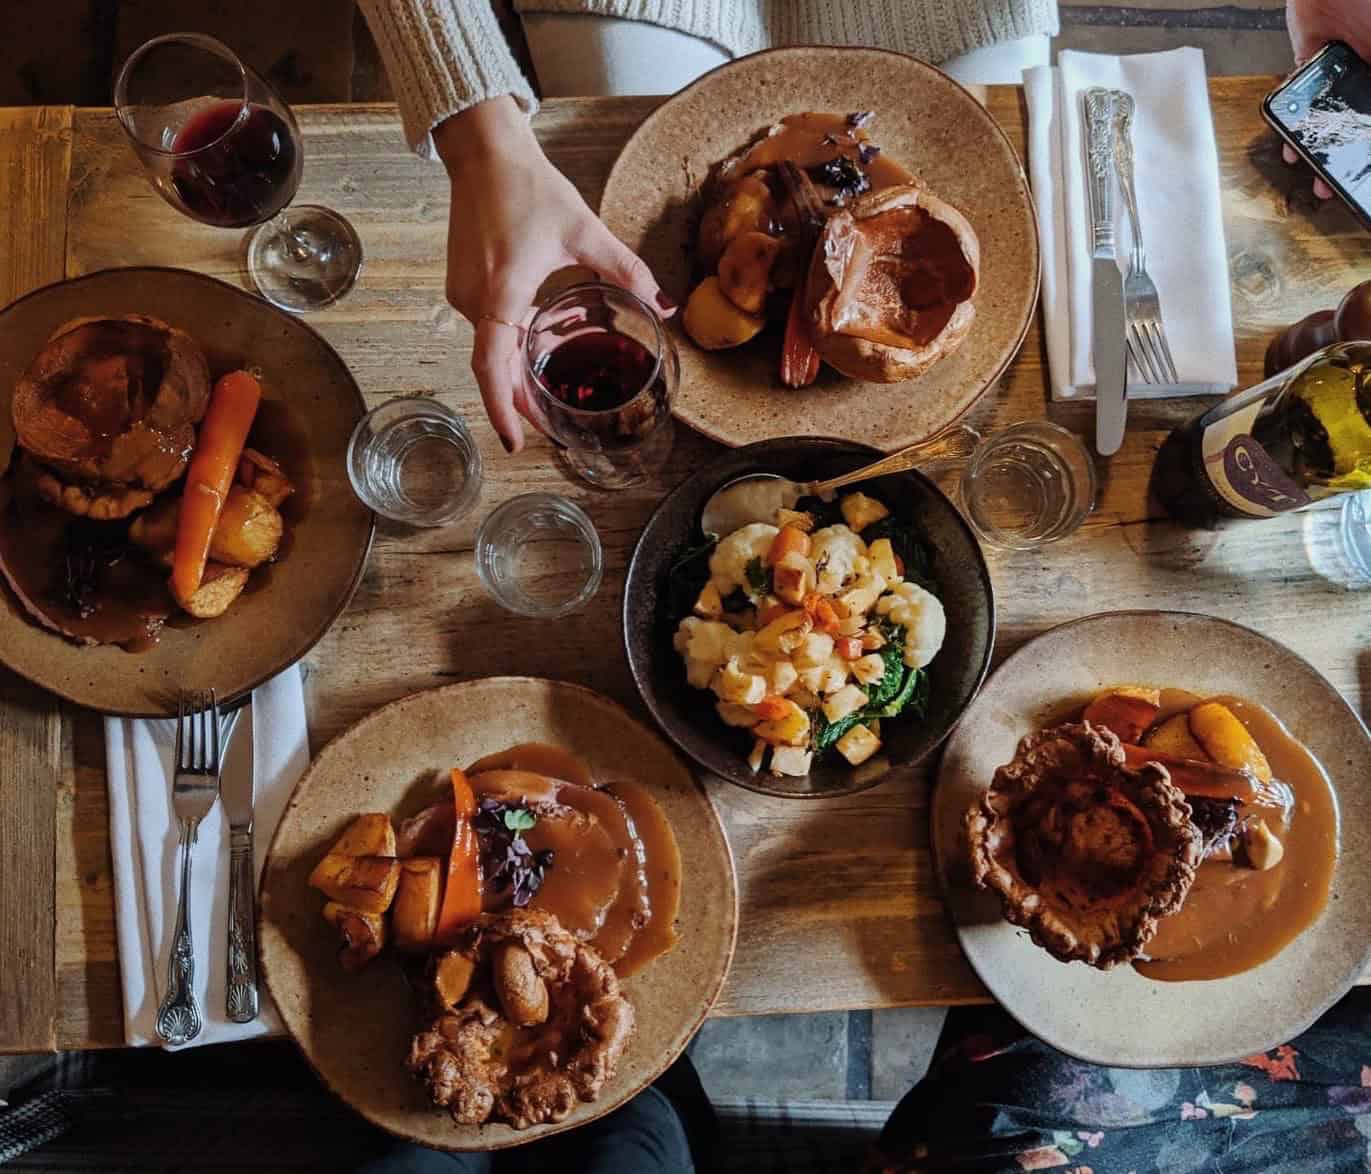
1178 203
143 844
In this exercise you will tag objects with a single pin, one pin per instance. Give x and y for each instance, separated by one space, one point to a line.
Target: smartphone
1323 110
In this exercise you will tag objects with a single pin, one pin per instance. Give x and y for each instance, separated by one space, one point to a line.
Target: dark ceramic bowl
687 714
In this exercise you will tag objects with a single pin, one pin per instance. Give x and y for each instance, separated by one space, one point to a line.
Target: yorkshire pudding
538 1024
1086 854
112 402
891 282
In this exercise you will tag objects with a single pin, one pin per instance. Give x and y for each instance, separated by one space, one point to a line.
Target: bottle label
1242 472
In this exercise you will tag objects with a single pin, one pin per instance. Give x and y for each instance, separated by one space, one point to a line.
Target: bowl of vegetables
810 652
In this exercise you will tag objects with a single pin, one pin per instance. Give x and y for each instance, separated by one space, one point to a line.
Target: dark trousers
645 1136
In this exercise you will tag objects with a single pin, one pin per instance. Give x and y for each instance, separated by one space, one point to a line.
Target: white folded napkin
1177 180
143 843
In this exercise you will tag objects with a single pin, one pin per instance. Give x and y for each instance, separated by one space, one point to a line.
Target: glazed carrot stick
1205 780
462 893
223 433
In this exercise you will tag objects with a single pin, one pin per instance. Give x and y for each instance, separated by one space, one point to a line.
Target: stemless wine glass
602 371
221 146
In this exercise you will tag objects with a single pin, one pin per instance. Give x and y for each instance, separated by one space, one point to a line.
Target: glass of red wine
221 146
602 372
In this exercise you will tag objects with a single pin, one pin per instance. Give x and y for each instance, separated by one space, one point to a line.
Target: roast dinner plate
922 119
654 606
1118 1016
288 605
356 1029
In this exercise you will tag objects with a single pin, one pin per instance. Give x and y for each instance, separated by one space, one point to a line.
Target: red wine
597 371
245 168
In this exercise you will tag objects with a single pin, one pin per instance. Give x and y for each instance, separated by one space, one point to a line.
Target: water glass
539 555
414 461
602 372
1029 485
1355 530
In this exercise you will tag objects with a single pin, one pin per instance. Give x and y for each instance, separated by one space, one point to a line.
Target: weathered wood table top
839 903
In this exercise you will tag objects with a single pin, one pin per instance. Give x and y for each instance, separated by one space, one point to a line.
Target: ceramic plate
356 1029
924 120
1118 1017
687 715
287 606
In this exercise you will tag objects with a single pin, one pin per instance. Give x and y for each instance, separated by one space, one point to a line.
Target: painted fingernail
509 447
665 302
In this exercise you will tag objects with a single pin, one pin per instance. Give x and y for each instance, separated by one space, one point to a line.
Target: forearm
443 57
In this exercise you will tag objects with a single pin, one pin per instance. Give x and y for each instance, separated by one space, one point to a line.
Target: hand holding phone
1323 112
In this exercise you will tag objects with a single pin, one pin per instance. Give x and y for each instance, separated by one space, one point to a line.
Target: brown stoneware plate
687 715
355 1030
924 120
1118 1017
287 606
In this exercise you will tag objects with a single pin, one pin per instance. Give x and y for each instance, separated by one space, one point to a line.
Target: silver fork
193 793
1147 345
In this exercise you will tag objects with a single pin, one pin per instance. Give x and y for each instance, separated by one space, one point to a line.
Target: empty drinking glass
539 555
1029 485
602 372
414 461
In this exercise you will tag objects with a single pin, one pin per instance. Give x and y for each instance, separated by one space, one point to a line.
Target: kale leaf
687 578
758 576
916 557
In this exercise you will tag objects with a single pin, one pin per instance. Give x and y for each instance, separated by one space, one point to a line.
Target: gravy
615 879
1236 917
811 139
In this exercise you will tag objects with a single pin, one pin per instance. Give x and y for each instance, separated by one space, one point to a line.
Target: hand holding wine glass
221 146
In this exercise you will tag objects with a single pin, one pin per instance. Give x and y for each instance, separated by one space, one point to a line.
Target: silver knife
1109 327
235 792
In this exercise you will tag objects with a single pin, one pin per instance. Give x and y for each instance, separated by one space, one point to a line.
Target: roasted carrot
788 540
799 359
462 893
223 433
1206 780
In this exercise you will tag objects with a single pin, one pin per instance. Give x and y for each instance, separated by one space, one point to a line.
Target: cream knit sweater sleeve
443 56
446 55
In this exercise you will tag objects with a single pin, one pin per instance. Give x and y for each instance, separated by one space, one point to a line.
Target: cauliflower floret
732 684
834 551
817 649
825 678
704 645
728 563
921 615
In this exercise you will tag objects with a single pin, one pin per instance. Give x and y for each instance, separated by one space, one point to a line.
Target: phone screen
1326 109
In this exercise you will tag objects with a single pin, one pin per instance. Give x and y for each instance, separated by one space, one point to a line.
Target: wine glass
602 371
221 146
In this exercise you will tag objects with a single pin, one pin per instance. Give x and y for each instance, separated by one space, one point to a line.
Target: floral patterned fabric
999 1100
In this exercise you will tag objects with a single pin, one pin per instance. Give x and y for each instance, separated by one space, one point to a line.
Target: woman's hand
514 219
1312 24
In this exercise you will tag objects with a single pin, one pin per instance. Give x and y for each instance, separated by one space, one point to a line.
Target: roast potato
366 883
371 834
746 205
263 475
745 269
452 974
1173 736
219 587
1225 738
363 934
248 532
522 992
418 898
714 322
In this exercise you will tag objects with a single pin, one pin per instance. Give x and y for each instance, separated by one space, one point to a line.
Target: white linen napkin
143 844
1177 169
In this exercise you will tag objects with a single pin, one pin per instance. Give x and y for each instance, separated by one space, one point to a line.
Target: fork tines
1150 353
197 732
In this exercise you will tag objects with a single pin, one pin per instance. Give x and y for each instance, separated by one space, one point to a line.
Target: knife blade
236 786
1109 325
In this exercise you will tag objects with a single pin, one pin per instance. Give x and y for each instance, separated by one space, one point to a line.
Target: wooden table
839 905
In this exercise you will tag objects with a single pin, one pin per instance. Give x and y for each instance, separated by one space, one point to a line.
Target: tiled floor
318 50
